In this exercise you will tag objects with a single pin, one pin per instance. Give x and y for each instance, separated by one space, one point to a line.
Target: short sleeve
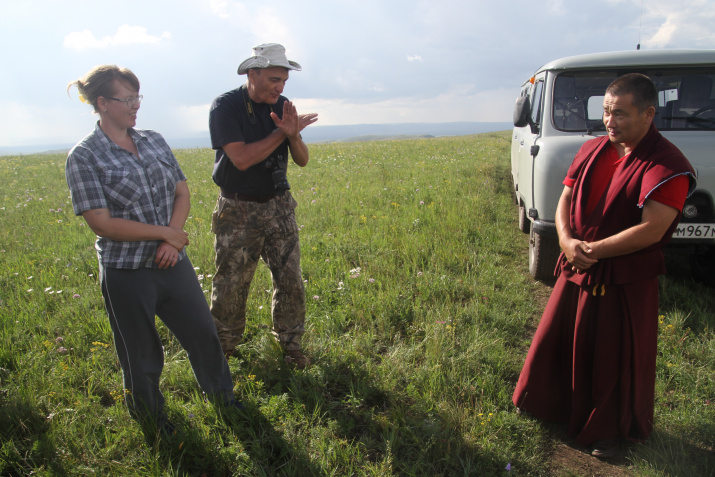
672 192
224 122
83 181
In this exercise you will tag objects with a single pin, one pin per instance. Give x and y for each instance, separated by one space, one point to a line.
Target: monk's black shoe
605 448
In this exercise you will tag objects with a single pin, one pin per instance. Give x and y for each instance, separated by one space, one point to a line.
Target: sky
364 62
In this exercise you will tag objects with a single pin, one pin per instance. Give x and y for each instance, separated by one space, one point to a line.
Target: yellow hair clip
83 99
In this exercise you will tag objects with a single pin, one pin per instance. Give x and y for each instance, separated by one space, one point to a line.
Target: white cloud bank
125 35
451 106
689 24
27 124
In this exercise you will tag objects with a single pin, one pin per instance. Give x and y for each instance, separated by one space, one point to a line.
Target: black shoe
234 405
161 429
297 359
167 429
232 412
605 448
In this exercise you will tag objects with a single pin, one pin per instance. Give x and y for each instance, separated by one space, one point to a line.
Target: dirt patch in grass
566 460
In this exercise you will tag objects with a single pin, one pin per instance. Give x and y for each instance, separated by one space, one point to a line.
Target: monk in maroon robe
591 363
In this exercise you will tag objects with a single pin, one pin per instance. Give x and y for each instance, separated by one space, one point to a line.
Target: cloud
413 58
454 105
125 35
665 33
51 124
269 23
186 120
263 23
689 25
556 7
219 7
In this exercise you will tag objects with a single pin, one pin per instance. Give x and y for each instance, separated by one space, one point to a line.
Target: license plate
694 231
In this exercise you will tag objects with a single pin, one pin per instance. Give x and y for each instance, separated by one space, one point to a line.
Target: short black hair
640 86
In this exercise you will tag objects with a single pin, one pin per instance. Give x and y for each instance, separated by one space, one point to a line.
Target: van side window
536 98
691 105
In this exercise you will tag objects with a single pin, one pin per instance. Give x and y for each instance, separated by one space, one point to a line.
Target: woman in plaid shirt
128 186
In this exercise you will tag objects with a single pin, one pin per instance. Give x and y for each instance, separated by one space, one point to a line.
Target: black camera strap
248 103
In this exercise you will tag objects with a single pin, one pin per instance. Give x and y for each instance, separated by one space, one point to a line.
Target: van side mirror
522 111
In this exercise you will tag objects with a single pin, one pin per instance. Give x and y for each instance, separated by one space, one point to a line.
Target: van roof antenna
640 25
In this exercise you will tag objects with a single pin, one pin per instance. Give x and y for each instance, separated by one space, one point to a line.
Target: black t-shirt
230 121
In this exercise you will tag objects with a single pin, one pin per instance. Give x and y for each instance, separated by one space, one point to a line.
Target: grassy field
420 312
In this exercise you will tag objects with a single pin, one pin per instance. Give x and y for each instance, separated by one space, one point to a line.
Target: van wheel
524 222
701 266
543 253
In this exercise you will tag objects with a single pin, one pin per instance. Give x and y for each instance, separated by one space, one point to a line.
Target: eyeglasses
130 101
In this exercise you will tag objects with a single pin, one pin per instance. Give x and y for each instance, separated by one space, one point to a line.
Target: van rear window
686 98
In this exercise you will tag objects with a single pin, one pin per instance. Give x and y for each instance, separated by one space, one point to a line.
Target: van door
529 135
517 145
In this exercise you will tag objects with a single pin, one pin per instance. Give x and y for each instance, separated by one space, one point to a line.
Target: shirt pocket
120 188
164 175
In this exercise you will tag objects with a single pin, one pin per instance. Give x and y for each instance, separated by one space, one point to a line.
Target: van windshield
686 98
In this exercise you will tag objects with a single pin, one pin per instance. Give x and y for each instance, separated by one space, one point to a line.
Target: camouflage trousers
246 232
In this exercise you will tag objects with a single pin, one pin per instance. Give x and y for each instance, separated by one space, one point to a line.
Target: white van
561 106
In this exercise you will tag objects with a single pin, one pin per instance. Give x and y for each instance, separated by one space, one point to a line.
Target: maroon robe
591 363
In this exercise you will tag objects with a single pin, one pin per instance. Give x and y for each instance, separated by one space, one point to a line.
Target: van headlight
690 211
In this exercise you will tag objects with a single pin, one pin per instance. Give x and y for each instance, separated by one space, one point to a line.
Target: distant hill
359 132
316 133
377 137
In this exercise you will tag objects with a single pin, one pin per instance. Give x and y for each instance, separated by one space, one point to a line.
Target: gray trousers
133 298
247 232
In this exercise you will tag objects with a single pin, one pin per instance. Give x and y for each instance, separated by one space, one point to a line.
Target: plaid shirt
102 175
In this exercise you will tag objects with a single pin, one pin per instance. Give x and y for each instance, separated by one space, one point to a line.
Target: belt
261 199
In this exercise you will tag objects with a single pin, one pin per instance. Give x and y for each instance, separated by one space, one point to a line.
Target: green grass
420 312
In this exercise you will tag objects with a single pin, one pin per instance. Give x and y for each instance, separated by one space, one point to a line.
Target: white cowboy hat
266 56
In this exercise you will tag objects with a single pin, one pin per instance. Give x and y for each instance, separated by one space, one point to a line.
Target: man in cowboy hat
252 130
